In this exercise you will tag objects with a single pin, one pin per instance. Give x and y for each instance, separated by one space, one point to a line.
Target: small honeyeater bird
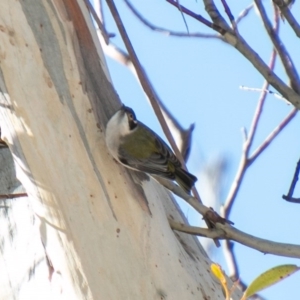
137 147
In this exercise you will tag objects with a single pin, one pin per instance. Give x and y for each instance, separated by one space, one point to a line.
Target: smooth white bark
105 236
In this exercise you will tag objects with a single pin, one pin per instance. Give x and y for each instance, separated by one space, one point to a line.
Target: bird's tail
185 179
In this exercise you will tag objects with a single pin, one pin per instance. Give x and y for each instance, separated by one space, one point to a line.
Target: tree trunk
89 229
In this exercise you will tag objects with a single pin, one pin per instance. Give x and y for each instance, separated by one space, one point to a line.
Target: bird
137 147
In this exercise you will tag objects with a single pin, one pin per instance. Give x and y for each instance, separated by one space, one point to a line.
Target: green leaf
269 278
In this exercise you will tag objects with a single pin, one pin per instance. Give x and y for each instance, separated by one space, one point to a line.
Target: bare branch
115 52
244 162
228 232
193 201
292 21
215 15
183 136
265 246
241 45
280 48
231 233
209 233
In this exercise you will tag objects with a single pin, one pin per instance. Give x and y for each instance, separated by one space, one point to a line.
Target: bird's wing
160 162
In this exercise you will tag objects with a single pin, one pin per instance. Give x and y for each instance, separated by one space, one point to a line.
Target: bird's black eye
132 121
131 117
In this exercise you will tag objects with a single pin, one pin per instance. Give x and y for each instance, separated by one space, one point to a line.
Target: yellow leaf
218 272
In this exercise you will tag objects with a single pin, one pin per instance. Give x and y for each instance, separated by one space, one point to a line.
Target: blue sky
198 80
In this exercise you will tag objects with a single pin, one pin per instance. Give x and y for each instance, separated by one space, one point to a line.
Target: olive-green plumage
141 144
141 149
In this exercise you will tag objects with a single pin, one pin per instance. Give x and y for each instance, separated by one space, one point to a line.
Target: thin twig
105 35
198 17
273 135
230 258
289 196
98 4
209 215
166 31
288 93
183 17
260 90
183 136
229 14
247 160
244 13
11 196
